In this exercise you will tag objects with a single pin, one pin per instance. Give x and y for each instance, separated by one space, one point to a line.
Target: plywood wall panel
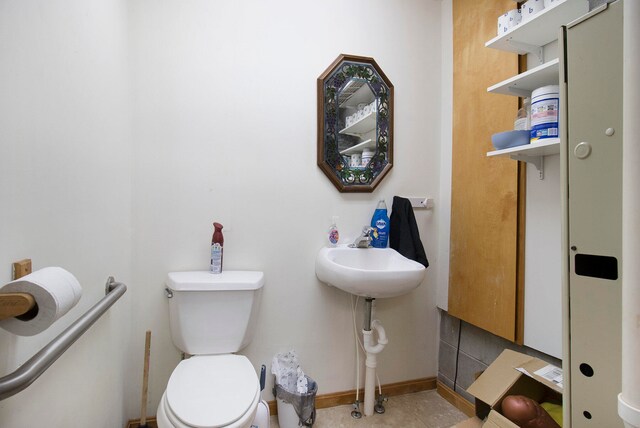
484 206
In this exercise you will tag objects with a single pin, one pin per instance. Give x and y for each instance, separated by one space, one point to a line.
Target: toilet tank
213 313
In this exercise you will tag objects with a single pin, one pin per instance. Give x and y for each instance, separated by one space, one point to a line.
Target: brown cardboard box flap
553 378
498 377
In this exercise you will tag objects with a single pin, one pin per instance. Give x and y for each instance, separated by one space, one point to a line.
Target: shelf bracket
528 48
537 161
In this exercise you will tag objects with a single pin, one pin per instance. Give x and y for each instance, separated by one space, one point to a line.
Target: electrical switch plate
21 268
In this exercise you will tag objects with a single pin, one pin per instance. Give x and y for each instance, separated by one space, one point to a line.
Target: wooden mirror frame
345 70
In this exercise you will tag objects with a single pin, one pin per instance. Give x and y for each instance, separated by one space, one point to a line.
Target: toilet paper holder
17 305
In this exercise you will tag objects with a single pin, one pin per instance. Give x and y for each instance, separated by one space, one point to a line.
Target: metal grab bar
26 374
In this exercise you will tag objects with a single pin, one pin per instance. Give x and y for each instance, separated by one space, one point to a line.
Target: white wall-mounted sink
368 272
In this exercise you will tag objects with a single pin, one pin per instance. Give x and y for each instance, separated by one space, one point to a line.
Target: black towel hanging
403 231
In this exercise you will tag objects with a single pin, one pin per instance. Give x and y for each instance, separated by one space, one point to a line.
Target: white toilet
212 316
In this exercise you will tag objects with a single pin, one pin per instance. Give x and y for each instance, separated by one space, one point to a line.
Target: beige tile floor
425 409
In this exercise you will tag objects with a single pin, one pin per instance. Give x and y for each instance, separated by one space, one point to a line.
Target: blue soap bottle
380 221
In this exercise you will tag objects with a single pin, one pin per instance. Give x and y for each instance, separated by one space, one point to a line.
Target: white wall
128 127
542 302
225 129
630 395
65 186
542 273
446 154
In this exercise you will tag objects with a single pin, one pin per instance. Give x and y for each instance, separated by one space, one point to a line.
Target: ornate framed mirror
355 123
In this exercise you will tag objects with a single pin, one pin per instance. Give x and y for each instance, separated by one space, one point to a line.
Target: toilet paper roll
503 24
530 8
514 17
55 291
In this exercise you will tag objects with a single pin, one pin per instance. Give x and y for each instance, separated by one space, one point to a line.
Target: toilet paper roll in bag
55 291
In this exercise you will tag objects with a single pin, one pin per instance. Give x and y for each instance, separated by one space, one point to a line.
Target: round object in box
505 140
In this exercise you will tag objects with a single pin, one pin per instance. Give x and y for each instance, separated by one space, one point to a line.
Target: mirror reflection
355 102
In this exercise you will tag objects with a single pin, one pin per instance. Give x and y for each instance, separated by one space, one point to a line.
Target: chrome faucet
364 240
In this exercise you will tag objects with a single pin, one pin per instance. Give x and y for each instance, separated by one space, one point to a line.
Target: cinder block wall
466 350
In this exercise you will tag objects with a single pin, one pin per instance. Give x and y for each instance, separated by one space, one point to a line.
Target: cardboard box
513 373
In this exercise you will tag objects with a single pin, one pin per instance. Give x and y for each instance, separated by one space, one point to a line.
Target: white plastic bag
288 373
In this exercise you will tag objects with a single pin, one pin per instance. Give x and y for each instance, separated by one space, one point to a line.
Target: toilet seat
212 391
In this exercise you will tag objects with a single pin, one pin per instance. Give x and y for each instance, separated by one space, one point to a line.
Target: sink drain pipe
371 351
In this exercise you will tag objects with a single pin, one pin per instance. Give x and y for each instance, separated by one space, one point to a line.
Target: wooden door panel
485 191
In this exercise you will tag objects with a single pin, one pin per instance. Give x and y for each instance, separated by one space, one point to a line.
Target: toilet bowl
211 317
210 392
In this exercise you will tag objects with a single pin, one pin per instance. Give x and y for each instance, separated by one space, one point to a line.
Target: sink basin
368 272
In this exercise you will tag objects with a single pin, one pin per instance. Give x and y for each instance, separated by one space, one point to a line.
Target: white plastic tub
545 102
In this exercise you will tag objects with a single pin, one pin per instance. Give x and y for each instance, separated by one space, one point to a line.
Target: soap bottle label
334 236
381 240
216 258
380 222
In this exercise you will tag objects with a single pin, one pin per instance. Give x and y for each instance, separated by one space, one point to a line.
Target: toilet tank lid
206 281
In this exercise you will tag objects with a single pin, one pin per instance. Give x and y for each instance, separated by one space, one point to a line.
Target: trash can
296 409
295 392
